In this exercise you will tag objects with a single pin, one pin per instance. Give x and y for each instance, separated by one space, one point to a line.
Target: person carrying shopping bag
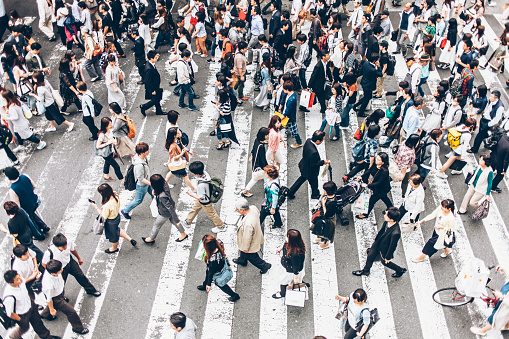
479 185
258 160
292 262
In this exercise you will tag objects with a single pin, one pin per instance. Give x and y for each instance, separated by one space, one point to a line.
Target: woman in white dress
437 107
113 77
449 50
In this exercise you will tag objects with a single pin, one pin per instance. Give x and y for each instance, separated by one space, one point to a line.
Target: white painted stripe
273 312
219 311
173 272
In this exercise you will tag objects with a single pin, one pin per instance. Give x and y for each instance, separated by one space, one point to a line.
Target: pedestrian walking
104 147
270 206
179 157
274 156
500 160
413 201
258 160
125 146
479 185
292 262
357 306
325 226
25 262
152 81
89 112
185 327
114 77
92 55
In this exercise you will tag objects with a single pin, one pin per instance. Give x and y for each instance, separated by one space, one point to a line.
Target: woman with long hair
292 262
7 59
443 236
348 58
110 213
185 37
200 34
164 26
178 157
334 112
75 66
44 95
271 187
480 41
274 156
430 160
125 145
24 89
258 160
326 228
262 99
165 209
448 51
105 147
218 26
405 158
68 86
215 258
113 78
14 114
437 108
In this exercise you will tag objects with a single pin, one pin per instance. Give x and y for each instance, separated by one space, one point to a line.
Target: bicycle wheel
450 297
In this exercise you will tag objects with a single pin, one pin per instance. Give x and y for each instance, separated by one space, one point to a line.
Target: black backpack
420 150
492 141
5 320
5 135
233 99
130 180
391 65
357 67
283 193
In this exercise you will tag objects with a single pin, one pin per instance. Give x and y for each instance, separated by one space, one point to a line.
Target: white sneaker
51 129
441 175
18 149
41 145
492 4
70 128
185 223
217 229
454 172
66 113
204 56
417 261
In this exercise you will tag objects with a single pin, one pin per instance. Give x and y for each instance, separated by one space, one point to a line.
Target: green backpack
216 189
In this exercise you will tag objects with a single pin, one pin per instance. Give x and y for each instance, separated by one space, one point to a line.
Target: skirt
286 278
261 100
431 122
181 173
125 146
445 55
325 229
112 229
52 113
429 248
278 158
117 97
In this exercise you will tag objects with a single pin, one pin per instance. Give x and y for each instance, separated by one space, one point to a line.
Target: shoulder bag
224 276
394 130
104 151
482 210
496 63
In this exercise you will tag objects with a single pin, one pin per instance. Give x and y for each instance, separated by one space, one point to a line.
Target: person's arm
490 183
497 118
75 253
431 216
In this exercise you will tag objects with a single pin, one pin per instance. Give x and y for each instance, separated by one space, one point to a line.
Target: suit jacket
249 232
33 64
310 163
139 49
373 46
369 75
387 240
317 80
279 44
275 23
152 80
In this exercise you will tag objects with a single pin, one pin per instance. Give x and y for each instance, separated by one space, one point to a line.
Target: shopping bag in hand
307 98
361 205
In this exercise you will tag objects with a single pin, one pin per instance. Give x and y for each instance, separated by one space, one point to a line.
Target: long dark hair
115 107
449 204
185 32
10 98
171 137
295 244
385 160
157 182
349 50
106 192
210 244
104 125
65 65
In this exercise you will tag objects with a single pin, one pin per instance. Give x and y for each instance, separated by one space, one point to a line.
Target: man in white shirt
86 19
491 117
256 31
405 28
355 19
53 289
46 19
21 308
61 250
25 263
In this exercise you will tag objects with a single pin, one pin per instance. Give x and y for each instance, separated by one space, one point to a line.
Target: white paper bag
306 99
153 208
4 159
296 297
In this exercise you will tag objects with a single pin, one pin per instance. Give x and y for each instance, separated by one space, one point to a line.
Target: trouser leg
466 199
313 182
36 219
210 211
9 153
75 270
194 211
61 305
23 325
255 259
36 322
89 66
89 121
393 266
498 178
141 191
296 185
227 289
372 256
158 223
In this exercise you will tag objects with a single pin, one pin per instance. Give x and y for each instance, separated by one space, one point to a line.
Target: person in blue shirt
256 31
290 111
411 120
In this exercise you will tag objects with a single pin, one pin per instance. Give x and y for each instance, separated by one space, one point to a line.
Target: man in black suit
152 81
108 27
315 32
385 244
275 21
321 74
371 71
280 44
139 53
309 166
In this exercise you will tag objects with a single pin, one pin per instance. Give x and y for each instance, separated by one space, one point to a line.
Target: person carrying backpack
364 152
427 157
358 320
203 198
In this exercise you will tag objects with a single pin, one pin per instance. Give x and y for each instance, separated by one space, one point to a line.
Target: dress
19 122
262 99
113 77
112 220
434 118
66 81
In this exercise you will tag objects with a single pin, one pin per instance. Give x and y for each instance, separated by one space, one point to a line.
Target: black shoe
53 38
212 133
46 230
267 267
396 52
140 82
201 287
234 298
397 275
498 190
50 317
471 151
147 242
83 331
303 109
133 242
315 197
360 273
160 113
142 111
95 294
39 238
107 251
236 261
92 138
55 337
180 240
361 115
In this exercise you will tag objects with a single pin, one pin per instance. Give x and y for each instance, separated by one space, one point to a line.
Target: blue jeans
186 88
336 127
345 116
220 135
423 172
213 48
141 191
419 88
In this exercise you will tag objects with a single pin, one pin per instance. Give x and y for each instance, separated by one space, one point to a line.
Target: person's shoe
360 273
65 113
361 115
441 175
244 98
396 52
454 172
125 215
95 79
66 299
415 260
193 108
315 197
147 242
42 145
51 129
121 56
477 330
296 145
184 238
212 133
460 212
133 242
142 111
234 298
210 61
185 223
498 190
53 38
55 337
140 82
201 287
183 106
470 151
266 268
196 96
95 294
70 128
277 295
257 89
82 332
42 238
492 4
108 251
46 230
50 317
218 229
397 275
16 163
18 149
160 113
92 138
303 109
236 261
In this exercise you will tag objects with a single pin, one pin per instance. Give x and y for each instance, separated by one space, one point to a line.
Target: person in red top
467 86
227 44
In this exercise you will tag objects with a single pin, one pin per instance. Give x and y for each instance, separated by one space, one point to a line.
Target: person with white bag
274 156
110 213
479 185
292 262
258 160
413 202
165 209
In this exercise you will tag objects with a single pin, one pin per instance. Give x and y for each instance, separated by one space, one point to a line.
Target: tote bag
296 297
98 226
306 99
57 97
482 210
153 208
200 252
361 205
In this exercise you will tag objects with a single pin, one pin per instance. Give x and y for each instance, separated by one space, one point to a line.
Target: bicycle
451 297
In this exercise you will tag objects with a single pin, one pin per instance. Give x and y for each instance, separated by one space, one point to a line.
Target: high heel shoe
180 240
147 242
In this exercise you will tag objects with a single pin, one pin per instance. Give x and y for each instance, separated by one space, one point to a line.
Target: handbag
153 208
359 133
394 35
395 173
394 130
284 120
242 15
443 43
223 277
302 14
176 165
57 97
200 252
496 64
373 319
482 210
307 99
295 297
389 112
104 151
458 165
98 226
24 88
361 205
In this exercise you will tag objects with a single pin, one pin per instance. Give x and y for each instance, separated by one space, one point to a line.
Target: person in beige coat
249 236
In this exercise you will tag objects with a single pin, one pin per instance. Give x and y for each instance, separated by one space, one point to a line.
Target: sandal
220 146
277 295
227 143
361 216
110 252
109 179
246 195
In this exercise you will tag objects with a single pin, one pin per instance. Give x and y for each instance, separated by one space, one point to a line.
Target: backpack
130 180
391 65
356 68
456 84
408 77
5 135
97 107
373 319
283 194
5 320
130 124
454 137
216 189
420 150
322 41
358 150
492 141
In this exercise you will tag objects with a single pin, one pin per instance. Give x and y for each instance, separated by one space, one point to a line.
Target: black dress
66 81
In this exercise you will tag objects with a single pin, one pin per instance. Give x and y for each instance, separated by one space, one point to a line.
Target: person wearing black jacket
385 244
321 73
258 160
380 184
325 227
215 258
131 15
139 53
108 28
275 21
280 43
500 159
292 260
152 81
309 166
370 73
315 32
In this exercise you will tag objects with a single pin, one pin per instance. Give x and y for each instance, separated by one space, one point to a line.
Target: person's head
13 278
21 251
384 46
485 160
412 141
11 208
153 56
65 66
375 117
424 59
377 31
392 214
82 5
285 14
356 4
410 61
337 89
482 91
474 64
373 131
11 173
274 6
178 321
292 51
171 137
294 243
180 21
467 45
197 168
115 108
444 84
103 8
10 98
263 134
415 180
418 102
60 241
157 182
142 149
242 46
288 86
54 267
385 14
330 188
324 55
271 172
242 206
81 86
35 48
439 93
312 12
436 134
359 296
447 205
16 31
223 33
211 245
457 99
262 39
255 11
275 123
471 124
402 85
366 18
318 137
105 125
9 48
494 95
106 192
